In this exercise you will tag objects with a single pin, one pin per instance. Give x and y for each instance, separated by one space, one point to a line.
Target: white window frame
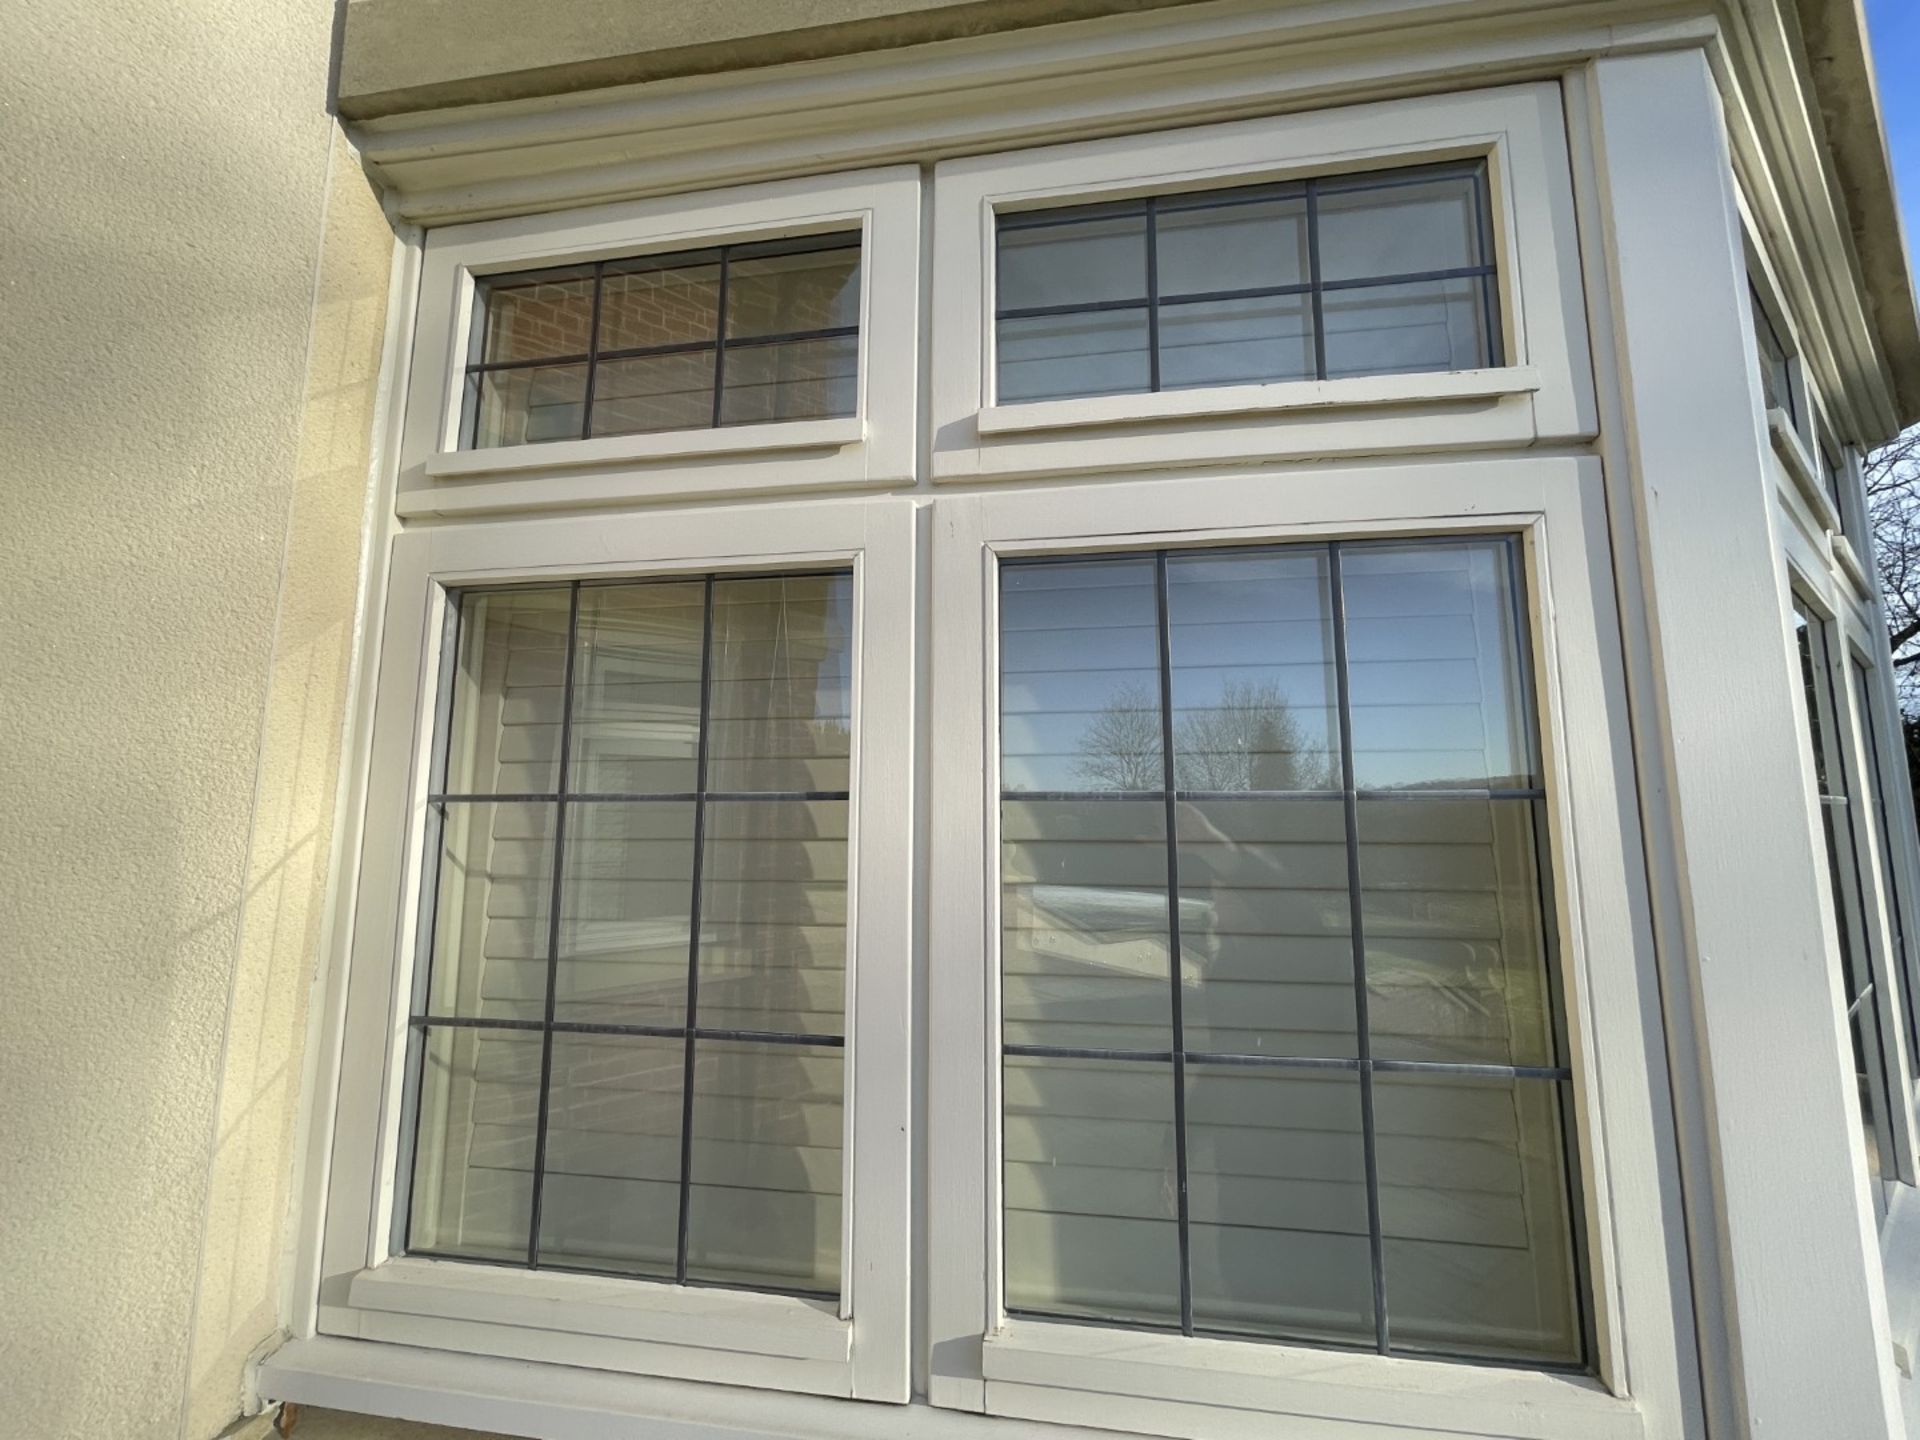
858 1348
875 446
1203 1387
1544 390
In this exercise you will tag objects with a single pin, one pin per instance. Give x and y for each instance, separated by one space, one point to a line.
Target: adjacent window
630 1003
1283 1050
1877 777
1776 360
730 335
1384 273
1847 882
1833 469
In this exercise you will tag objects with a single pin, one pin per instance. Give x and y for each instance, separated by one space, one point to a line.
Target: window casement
1847 882
1256 900
751 339
632 932
1869 695
1342 281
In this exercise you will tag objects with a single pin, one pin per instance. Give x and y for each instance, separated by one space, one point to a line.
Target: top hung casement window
1385 273
730 335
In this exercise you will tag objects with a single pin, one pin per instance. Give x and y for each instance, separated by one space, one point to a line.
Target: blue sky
1895 25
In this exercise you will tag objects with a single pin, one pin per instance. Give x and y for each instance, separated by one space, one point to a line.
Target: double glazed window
1384 273
732 335
1867 1008
629 1010
1283 1050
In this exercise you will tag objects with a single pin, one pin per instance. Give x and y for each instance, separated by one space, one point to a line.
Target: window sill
1124 1379
599 1305
638 449
1793 453
1852 566
1228 400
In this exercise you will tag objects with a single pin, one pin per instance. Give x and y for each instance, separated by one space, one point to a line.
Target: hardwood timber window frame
852 1343
446 468
992 1355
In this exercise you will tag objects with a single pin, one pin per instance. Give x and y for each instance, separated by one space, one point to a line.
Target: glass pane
529 319
625 903
610 1193
529 404
1456 946
472 1189
1868 1064
636 689
663 300
657 392
782 692
509 681
1049 357
773 916
1091 1210
1080 676
1400 228
1474 1211
764 1203
1254 692
797 380
1084 924
1081 262
1400 329
1434 645
1266 964
788 294
493 895
1246 246
1236 342
1277 1200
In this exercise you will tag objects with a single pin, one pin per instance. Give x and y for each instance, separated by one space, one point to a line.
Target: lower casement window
1284 951
642 983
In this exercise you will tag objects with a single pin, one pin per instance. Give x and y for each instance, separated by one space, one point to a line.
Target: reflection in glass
1195 1131
625 914
1052 357
508 693
479 1099
1253 681
1266 943
1080 677
1083 916
1457 962
764 1197
1399 227
773 916
493 894
1436 655
1090 1178
729 335
794 380
1090 261
1277 1186
679 752
1376 274
1477 1225
1431 325
610 1193
781 709
636 688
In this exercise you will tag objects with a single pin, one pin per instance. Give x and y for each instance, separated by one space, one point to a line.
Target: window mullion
593 349
1319 303
1153 352
719 391
1173 930
553 928
693 904
1362 1033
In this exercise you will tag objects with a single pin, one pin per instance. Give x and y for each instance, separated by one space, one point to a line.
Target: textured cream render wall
182 476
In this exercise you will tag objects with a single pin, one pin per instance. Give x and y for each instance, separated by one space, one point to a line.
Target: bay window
1220 874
